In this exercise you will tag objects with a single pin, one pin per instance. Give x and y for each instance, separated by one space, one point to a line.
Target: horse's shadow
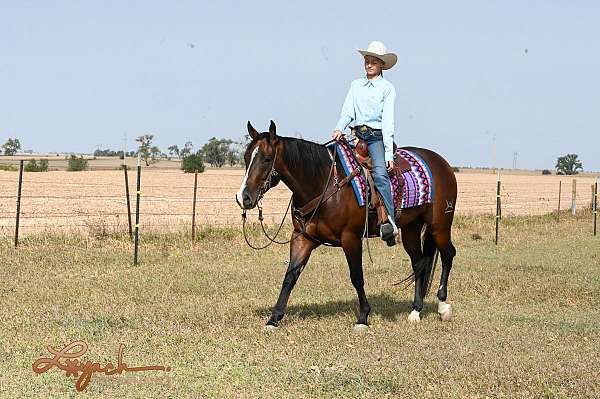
384 305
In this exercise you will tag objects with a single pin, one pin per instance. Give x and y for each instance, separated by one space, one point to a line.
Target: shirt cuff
389 156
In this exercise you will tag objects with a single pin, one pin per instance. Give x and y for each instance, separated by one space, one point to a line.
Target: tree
11 146
568 165
193 163
186 150
232 157
215 151
173 150
33 166
77 164
150 154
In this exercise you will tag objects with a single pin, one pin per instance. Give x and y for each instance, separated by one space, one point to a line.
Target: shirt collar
372 82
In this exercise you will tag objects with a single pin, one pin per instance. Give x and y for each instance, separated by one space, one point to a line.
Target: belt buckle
363 129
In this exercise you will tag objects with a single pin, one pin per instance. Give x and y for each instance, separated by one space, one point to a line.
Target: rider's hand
390 165
337 135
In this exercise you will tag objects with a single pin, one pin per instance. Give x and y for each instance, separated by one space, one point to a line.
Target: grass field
527 317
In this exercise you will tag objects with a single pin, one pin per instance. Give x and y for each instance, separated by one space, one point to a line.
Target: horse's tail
426 266
429 260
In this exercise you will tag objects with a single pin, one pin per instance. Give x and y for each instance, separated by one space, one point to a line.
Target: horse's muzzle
246 201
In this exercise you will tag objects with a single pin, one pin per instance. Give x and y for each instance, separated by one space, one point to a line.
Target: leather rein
300 214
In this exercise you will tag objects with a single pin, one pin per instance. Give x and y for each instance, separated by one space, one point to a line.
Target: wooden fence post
559 195
194 206
574 199
19 203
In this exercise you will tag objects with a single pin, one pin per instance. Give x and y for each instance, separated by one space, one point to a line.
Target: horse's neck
304 189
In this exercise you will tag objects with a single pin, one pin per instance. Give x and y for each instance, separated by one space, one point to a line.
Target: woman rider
370 105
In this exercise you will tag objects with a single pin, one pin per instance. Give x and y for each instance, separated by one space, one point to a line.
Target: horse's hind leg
411 239
300 250
352 246
447 251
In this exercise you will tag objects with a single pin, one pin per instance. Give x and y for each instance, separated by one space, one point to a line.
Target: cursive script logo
72 366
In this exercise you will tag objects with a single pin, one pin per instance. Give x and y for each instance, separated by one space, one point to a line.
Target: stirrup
386 232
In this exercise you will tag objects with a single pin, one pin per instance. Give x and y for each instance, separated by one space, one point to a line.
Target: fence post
498 209
574 199
595 204
559 195
19 203
137 211
128 202
194 206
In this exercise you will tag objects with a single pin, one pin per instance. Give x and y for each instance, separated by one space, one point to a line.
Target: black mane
312 158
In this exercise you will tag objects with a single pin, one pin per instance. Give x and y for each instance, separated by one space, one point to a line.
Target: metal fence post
595 204
128 202
19 203
498 210
194 206
137 211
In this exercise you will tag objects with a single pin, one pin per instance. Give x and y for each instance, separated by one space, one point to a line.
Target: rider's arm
387 123
347 114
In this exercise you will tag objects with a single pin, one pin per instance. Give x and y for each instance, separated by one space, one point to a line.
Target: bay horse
304 167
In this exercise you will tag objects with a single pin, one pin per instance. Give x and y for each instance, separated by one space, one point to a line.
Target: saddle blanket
418 183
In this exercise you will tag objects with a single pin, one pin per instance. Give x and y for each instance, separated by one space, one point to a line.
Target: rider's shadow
384 305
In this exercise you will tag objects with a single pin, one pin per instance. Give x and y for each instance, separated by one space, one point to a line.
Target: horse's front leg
352 246
300 250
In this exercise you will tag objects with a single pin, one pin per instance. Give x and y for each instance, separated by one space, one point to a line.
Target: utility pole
515 160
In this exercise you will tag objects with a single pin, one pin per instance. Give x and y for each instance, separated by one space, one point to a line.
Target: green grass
527 317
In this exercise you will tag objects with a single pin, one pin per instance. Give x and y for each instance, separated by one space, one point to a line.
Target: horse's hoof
414 316
445 311
270 327
360 328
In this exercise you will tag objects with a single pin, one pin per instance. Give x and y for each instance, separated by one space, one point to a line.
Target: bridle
265 187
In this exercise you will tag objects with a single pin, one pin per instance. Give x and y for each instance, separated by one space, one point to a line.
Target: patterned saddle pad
418 183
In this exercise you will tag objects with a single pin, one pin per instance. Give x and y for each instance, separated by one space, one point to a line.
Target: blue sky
78 74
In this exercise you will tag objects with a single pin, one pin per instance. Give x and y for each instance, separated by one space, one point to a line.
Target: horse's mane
312 158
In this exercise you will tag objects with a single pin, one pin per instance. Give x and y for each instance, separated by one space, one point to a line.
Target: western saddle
361 152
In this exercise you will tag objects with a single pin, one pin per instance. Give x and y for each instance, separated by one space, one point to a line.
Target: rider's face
373 65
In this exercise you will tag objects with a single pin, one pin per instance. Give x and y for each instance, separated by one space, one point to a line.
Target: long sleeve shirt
371 103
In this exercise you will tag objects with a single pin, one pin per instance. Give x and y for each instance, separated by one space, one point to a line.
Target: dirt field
95 200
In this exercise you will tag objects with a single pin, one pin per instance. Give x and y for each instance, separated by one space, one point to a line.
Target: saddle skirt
411 180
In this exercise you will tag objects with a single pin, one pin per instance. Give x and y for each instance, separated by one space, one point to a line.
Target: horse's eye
267 160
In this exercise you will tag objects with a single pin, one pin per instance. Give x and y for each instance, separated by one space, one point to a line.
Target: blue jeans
382 180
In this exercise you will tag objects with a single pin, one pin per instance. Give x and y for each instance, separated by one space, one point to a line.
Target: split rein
265 187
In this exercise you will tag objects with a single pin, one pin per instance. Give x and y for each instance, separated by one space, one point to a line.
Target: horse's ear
272 131
252 131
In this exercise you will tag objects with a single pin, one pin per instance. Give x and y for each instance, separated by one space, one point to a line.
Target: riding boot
388 232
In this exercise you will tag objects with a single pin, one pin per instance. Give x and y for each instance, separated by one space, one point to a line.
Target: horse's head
261 158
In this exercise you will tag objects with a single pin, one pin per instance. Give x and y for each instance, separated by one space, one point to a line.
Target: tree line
220 152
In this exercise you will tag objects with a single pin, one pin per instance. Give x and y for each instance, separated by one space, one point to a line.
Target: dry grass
64 201
527 317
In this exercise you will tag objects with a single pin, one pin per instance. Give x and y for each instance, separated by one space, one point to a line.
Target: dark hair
299 153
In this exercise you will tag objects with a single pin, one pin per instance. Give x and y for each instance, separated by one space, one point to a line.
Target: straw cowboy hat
378 50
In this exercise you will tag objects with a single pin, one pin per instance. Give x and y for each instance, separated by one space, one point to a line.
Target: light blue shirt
371 103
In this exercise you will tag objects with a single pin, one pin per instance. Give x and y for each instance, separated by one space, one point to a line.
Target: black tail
426 265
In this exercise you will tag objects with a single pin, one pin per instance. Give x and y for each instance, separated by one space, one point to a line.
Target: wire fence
96 201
